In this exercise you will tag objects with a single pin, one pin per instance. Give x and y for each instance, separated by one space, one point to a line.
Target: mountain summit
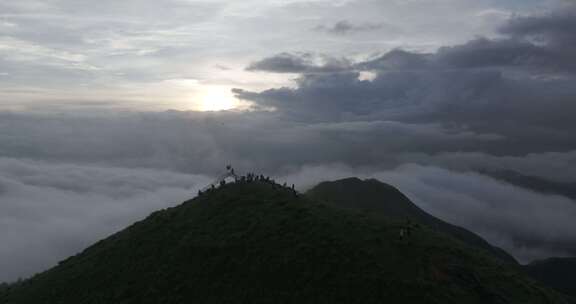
259 242
382 199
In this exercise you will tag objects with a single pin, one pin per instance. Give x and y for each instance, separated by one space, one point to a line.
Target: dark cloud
489 101
547 165
488 85
197 142
485 52
300 63
545 43
555 29
541 44
345 27
397 60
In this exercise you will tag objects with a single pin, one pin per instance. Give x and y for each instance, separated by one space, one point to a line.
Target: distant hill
257 242
385 200
558 273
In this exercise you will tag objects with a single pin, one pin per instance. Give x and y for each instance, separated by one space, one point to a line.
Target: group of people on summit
248 178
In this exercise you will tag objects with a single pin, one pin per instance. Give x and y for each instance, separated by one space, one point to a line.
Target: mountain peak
378 198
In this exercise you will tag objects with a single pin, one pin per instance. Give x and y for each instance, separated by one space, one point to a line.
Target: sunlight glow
217 98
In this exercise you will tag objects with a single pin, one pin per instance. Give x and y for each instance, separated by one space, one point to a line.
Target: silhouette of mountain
258 242
385 200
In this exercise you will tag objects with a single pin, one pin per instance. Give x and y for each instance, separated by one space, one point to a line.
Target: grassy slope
255 243
385 200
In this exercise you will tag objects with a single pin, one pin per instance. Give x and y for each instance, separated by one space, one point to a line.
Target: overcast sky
155 55
112 109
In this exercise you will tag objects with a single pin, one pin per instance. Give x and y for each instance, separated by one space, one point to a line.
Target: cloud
544 43
50 211
549 165
484 52
554 28
205 142
541 44
345 27
397 60
123 54
300 63
488 85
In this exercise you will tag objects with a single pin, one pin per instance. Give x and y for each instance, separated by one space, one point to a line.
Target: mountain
257 242
558 273
385 200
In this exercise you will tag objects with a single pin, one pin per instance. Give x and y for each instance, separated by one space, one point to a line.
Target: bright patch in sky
217 98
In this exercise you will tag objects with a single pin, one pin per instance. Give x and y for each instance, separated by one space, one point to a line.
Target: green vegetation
382 199
260 243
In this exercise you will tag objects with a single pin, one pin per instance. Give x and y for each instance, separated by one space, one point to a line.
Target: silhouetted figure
409 227
403 233
406 230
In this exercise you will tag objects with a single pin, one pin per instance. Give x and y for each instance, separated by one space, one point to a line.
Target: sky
110 110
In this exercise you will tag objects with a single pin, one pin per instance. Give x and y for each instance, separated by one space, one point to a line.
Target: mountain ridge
258 242
376 197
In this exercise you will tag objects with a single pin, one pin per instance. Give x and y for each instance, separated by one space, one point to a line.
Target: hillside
559 273
385 200
258 242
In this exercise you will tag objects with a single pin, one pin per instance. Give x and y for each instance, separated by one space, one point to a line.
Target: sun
217 98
